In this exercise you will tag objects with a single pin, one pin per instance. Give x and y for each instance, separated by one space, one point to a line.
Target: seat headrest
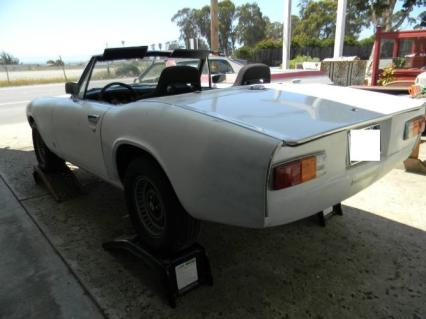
178 79
253 74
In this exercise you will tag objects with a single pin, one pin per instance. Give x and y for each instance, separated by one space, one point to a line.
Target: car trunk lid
297 113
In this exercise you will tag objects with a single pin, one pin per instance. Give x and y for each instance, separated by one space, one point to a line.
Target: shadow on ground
359 266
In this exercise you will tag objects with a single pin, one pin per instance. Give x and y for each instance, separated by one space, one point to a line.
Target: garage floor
370 263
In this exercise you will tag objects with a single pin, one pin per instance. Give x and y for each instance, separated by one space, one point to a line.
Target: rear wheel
156 213
47 160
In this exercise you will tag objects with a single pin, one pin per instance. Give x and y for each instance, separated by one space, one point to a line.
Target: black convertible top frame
142 51
124 53
193 54
165 54
181 53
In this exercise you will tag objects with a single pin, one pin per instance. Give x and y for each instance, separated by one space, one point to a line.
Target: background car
217 64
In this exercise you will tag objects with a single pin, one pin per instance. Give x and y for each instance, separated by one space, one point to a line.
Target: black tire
159 218
47 161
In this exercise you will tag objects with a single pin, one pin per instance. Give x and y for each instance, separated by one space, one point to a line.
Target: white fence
23 72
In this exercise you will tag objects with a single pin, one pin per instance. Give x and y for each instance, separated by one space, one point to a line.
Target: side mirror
71 88
217 78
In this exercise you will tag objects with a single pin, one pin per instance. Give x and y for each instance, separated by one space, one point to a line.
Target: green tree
318 20
421 21
227 15
390 14
274 30
202 22
251 27
356 20
295 20
185 20
7 58
58 62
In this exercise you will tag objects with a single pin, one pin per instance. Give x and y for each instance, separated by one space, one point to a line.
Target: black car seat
253 74
177 80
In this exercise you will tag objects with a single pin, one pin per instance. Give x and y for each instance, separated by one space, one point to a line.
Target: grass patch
22 82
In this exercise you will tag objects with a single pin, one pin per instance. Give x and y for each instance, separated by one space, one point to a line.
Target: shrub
399 62
269 44
350 41
366 41
245 53
323 43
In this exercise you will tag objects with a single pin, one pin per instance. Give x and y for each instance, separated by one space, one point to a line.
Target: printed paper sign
186 273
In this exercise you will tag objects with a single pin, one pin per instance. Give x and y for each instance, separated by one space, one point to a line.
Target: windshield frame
86 77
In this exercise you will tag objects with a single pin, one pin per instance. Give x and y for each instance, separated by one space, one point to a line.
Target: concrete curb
35 280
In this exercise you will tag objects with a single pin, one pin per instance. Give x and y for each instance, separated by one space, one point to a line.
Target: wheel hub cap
149 206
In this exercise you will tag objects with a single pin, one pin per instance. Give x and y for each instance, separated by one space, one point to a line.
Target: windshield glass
134 72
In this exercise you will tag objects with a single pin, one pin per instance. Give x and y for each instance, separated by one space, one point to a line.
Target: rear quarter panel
218 169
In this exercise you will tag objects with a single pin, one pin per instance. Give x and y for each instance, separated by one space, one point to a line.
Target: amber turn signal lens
293 173
309 168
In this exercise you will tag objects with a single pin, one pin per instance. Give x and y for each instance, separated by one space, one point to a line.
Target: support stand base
414 165
182 271
61 185
323 216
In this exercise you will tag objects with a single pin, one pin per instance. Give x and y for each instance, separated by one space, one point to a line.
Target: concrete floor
34 280
370 263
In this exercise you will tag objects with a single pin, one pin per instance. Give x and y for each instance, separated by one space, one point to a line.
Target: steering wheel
106 87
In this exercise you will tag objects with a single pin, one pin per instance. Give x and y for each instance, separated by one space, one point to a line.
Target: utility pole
340 28
286 34
214 26
108 71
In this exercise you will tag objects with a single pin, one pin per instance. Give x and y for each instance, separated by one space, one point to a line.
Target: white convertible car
257 154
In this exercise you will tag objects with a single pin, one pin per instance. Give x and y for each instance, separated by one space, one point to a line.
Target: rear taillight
298 171
414 127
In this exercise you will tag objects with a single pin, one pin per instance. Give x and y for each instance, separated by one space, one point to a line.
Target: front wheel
47 160
159 218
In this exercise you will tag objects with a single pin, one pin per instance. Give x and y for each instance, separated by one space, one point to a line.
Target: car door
77 126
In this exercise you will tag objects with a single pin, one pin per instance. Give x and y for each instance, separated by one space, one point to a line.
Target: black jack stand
182 271
62 184
323 216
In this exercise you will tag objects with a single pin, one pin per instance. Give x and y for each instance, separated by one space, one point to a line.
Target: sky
40 30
